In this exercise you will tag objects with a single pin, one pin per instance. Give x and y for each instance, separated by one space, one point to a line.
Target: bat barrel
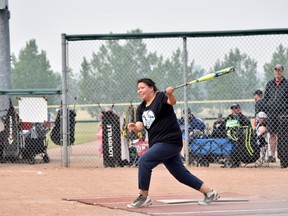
207 77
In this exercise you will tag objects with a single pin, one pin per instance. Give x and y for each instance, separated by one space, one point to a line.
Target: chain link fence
26 125
102 70
99 95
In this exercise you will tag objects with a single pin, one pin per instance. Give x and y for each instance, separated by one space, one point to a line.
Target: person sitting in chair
262 137
261 131
236 119
219 127
194 124
237 127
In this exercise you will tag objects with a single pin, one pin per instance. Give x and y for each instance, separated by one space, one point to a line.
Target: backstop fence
101 71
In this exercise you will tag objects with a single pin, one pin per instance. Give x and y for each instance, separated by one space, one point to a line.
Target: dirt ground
39 189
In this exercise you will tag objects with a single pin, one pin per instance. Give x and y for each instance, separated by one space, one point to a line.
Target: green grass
85 132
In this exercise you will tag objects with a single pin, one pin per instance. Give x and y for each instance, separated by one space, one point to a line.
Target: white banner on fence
33 109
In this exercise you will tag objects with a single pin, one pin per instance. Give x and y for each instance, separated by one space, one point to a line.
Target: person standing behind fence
259 103
157 115
276 99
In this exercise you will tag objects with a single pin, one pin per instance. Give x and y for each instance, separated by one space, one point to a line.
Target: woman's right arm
136 127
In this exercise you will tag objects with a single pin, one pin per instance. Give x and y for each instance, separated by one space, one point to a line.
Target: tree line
111 73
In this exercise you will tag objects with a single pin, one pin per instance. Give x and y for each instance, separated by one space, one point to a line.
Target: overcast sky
46 20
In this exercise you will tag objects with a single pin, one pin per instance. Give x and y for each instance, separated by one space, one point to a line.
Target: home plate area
171 204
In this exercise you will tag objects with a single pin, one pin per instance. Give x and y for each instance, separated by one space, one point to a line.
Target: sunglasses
277 69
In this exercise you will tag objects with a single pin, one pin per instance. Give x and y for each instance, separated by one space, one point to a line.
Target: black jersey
160 121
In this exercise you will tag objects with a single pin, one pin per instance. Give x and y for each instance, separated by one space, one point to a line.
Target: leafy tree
112 73
171 73
31 70
280 56
237 85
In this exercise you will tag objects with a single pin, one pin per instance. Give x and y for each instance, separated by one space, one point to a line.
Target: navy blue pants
169 155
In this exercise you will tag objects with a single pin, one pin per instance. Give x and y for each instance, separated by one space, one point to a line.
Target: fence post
65 159
5 61
185 57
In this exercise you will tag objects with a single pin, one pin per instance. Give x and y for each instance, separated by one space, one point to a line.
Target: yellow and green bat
208 77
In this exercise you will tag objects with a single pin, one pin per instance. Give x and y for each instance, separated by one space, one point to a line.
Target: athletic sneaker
140 201
209 197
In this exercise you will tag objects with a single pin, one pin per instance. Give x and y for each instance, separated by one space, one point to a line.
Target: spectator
276 99
261 128
259 103
236 118
193 123
237 125
208 130
219 127
262 136
196 127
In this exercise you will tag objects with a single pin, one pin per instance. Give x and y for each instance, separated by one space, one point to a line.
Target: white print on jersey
148 118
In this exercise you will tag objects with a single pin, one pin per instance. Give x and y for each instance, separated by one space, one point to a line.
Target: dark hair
148 82
188 110
258 92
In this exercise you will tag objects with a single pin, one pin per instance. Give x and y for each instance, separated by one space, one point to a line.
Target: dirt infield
39 189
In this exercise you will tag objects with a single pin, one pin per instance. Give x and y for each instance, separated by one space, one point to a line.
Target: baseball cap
279 66
235 105
261 115
258 92
219 115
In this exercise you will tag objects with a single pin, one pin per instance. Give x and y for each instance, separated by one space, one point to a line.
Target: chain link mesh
108 69
102 74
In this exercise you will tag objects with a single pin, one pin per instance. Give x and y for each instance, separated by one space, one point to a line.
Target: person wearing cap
262 136
232 123
237 116
219 127
259 103
261 129
236 119
276 100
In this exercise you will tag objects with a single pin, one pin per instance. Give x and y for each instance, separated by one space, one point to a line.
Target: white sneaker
140 201
209 197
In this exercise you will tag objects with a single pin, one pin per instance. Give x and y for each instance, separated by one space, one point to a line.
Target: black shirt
259 106
160 121
276 97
